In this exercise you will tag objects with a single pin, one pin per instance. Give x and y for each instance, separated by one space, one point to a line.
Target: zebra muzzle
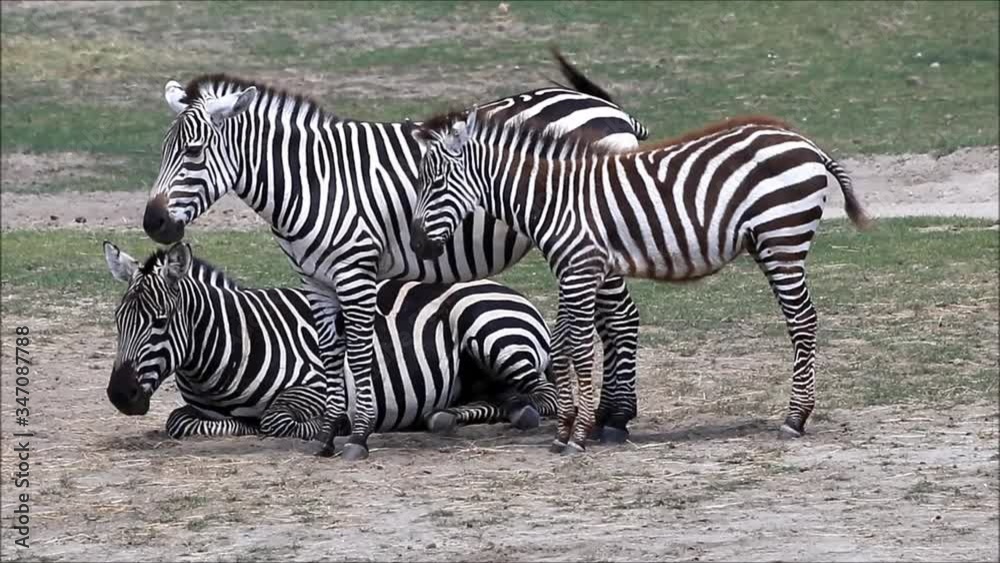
158 223
425 247
125 393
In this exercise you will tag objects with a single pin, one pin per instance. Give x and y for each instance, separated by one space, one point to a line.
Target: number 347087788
22 370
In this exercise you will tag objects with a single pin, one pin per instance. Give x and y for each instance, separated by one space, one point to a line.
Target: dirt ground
892 483
902 482
963 183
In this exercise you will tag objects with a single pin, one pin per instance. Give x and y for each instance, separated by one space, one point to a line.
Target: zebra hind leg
296 413
788 282
188 421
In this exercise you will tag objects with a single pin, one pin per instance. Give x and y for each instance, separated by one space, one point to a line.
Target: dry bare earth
963 183
890 483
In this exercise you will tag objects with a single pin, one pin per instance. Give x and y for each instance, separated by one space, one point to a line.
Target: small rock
914 81
80 220
503 8
935 64
432 545
53 217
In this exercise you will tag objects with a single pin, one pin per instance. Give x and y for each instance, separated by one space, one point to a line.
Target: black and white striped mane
200 270
220 84
530 135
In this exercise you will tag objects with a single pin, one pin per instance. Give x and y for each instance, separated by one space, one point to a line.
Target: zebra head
447 193
147 347
198 163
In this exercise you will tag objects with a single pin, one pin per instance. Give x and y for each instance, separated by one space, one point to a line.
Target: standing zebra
247 360
339 195
677 210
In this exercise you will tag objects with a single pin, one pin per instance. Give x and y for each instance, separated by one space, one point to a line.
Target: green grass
855 76
908 311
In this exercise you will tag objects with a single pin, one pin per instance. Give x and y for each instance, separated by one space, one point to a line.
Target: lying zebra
247 360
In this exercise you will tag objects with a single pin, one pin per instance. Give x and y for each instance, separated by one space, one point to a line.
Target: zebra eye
193 151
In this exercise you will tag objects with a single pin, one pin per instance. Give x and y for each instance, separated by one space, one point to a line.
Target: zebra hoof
326 451
441 422
793 427
355 452
787 431
525 418
557 447
572 448
612 435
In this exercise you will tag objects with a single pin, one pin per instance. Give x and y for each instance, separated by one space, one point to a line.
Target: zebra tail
581 83
576 78
855 211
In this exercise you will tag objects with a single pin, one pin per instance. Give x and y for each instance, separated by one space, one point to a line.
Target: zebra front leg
326 313
788 282
575 322
188 421
617 321
357 295
296 413
479 412
562 374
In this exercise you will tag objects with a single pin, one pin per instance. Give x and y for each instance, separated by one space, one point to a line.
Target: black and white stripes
339 195
679 210
247 360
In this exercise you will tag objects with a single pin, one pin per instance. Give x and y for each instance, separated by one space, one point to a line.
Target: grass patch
866 77
908 312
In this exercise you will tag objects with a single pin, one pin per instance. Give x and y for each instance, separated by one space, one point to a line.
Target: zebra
339 194
248 362
676 210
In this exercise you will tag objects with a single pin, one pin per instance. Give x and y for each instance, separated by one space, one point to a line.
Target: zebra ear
174 92
178 262
230 105
422 136
122 265
457 136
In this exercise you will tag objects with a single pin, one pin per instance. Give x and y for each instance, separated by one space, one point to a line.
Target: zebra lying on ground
247 360
339 194
677 210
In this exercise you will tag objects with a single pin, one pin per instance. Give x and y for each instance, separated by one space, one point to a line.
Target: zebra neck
197 329
531 195
289 151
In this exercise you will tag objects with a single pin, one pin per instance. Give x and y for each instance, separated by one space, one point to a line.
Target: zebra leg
618 326
326 310
356 289
188 421
296 412
577 302
788 282
519 372
562 374
479 412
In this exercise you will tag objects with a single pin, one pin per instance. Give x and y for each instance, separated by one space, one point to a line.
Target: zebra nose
125 393
158 223
424 247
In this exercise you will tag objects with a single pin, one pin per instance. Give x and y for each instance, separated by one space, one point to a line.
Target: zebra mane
533 135
221 83
200 270
530 134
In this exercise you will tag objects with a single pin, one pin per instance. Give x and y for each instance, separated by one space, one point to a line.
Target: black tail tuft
576 78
